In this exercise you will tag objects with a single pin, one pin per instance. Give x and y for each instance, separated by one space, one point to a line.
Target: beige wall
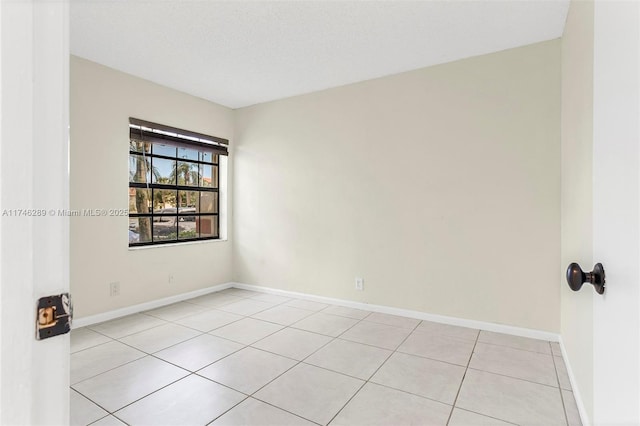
441 187
102 100
576 192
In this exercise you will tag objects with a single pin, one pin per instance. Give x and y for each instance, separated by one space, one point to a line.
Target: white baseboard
134 309
584 417
481 325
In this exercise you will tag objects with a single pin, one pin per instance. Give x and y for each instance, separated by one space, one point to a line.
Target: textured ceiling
239 53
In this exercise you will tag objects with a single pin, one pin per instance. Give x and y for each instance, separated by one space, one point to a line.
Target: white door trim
34 175
616 212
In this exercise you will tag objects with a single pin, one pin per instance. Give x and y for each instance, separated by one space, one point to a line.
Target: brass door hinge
54 316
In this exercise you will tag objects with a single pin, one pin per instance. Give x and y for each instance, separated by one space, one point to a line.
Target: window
174 184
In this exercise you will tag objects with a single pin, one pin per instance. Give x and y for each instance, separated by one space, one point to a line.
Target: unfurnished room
320 212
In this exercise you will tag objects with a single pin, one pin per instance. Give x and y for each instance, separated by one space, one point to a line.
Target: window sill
189 243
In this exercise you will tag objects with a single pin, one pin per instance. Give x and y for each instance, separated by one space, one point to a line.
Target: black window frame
154 133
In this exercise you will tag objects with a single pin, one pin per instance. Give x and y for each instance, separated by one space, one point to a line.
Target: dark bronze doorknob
576 277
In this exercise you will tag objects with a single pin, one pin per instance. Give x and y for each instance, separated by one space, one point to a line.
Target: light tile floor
238 357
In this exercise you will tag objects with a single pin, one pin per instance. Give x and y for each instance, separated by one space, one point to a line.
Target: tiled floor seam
226 411
101 418
520 349
432 359
160 359
514 378
304 360
344 339
409 393
263 402
83 395
298 363
391 325
114 413
248 316
196 371
455 400
374 373
183 341
222 304
249 345
503 375
139 331
217 383
95 346
564 406
485 415
273 353
447 336
284 325
106 371
167 347
213 329
358 321
244 346
152 354
252 395
343 316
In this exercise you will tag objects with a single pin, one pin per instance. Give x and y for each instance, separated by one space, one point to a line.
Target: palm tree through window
173 184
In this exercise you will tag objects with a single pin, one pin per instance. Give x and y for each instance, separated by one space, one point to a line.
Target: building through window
174 184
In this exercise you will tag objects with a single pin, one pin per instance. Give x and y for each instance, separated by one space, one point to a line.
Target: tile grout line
92 401
160 359
228 387
517 349
215 328
464 375
513 377
487 416
71 385
146 354
311 313
307 331
101 418
305 358
376 371
298 362
190 373
262 402
140 331
113 413
191 338
111 339
244 346
564 406
130 362
229 409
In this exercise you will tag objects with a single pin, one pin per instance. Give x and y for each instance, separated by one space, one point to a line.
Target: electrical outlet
359 284
171 278
114 289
